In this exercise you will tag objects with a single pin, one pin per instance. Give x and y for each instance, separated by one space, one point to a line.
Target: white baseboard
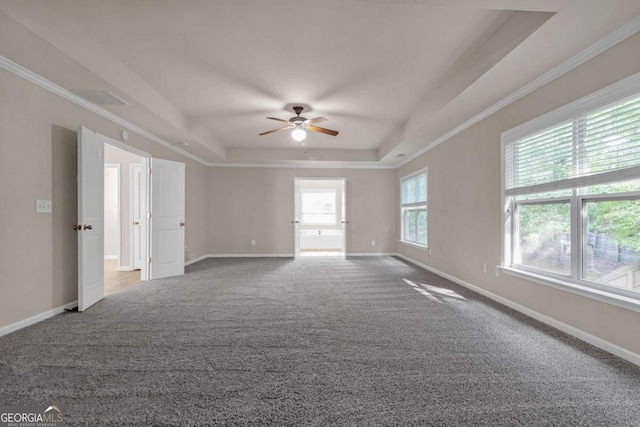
571 330
193 261
250 256
125 268
200 258
111 257
35 319
371 254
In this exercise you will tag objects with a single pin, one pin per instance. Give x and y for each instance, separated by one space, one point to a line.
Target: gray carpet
312 342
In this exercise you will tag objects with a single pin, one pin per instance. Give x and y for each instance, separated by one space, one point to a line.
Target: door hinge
148 260
148 214
148 171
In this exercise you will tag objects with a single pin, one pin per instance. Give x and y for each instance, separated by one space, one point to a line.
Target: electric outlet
484 267
497 271
373 243
253 243
43 206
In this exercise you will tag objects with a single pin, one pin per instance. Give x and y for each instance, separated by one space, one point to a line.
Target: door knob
136 223
88 227
182 224
77 227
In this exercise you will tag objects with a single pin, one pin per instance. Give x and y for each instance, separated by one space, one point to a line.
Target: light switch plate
43 206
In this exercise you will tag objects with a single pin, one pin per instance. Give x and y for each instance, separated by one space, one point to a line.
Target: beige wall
38 252
257 204
464 203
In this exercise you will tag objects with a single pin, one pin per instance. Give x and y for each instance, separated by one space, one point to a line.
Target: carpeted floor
368 341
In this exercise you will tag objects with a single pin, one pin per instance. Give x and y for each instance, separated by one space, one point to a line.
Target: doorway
320 217
124 202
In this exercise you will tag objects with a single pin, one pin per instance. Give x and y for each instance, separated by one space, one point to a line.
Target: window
413 205
319 207
572 194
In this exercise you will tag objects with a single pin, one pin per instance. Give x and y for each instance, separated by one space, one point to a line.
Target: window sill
415 245
575 288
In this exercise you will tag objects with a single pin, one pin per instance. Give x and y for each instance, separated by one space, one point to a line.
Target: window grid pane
410 225
544 237
612 250
422 226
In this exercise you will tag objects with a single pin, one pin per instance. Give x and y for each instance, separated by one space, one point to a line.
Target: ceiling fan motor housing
298 120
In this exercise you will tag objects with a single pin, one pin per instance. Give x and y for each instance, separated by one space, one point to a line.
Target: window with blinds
413 205
589 149
572 192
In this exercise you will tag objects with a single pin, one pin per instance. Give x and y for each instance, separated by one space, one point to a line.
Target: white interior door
296 218
90 218
167 218
137 210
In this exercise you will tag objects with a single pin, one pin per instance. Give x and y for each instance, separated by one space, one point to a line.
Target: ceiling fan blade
323 130
316 120
280 120
274 130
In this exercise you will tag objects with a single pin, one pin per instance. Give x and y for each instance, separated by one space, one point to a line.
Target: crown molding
602 45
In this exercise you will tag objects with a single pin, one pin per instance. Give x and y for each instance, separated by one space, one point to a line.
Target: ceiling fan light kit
299 134
300 125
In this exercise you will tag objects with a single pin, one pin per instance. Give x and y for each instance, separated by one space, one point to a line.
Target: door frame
145 162
296 209
132 200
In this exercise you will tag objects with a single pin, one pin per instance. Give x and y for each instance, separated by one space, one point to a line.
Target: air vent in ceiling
99 97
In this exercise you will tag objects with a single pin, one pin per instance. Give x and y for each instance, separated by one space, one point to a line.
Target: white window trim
424 171
416 245
575 288
608 95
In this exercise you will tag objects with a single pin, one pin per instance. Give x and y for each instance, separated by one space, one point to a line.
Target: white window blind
414 190
597 147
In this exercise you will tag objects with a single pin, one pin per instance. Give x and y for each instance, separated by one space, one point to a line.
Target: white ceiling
385 73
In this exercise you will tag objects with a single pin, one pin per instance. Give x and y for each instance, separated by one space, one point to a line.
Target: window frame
417 207
627 88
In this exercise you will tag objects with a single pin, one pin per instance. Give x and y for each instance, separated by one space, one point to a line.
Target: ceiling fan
300 125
